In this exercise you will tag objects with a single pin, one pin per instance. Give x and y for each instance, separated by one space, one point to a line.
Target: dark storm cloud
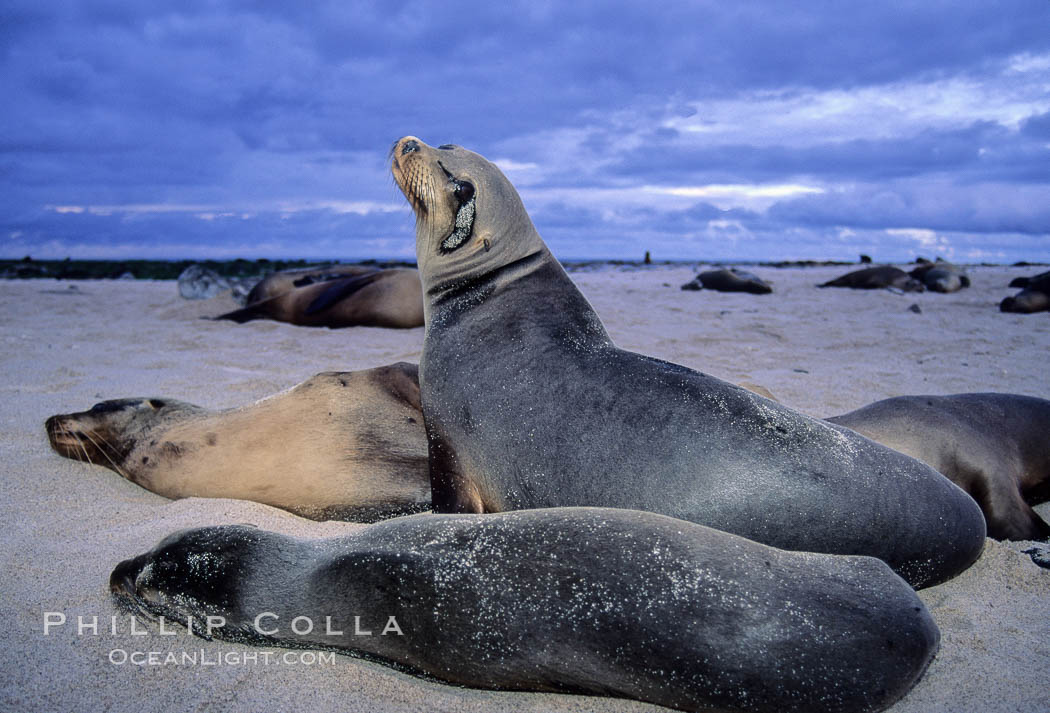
241 106
983 149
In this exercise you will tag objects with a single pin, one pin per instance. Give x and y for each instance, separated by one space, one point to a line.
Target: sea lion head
469 218
106 433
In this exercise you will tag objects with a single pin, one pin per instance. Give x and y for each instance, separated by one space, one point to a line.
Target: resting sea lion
731 280
341 445
873 278
941 276
283 281
363 297
996 447
528 403
1034 297
573 600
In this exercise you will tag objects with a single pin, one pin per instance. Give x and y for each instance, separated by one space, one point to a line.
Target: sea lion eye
157 403
464 191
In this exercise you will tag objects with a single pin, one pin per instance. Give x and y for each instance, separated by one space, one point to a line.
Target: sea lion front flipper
339 290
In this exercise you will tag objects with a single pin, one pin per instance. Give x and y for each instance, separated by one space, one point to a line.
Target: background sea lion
528 403
941 276
585 600
359 297
873 278
1034 297
340 445
996 447
729 280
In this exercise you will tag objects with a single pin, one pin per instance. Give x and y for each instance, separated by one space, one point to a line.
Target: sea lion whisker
66 431
101 444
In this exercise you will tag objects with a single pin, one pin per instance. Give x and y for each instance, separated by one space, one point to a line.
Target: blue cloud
251 106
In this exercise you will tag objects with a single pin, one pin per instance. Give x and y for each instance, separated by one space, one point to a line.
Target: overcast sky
747 130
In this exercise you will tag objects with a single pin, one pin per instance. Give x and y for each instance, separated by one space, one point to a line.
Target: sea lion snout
122 580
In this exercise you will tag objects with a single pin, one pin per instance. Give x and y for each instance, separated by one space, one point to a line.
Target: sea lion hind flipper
254 310
240 316
339 290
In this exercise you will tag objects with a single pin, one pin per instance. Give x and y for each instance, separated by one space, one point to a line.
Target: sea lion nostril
409 146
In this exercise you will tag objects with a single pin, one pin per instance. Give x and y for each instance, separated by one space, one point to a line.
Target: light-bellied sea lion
1033 297
333 298
341 445
729 280
941 276
873 278
528 403
573 600
996 447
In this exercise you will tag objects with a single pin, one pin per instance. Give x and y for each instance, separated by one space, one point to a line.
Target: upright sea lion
528 403
1034 297
364 297
340 445
730 280
873 278
996 447
941 276
573 600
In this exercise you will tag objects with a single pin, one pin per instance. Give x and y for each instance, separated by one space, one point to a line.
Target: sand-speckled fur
528 404
575 600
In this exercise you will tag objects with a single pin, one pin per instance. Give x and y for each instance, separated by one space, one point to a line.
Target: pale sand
824 352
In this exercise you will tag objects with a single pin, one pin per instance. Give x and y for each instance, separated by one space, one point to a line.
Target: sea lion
941 276
1034 296
873 278
283 281
340 445
996 447
730 280
364 297
572 600
528 403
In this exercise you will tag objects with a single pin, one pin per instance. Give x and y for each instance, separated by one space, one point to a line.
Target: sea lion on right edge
364 297
996 447
528 404
340 445
570 600
873 278
1033 297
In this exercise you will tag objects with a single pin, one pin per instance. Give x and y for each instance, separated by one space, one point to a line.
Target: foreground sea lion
996 447
729 280
1033 297
873 278
572 600
340 445
528 403
941 276
343 296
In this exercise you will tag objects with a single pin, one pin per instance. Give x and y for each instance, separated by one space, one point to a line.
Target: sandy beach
67 345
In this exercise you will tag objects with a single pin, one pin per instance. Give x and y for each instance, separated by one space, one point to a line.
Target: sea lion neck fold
472 231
